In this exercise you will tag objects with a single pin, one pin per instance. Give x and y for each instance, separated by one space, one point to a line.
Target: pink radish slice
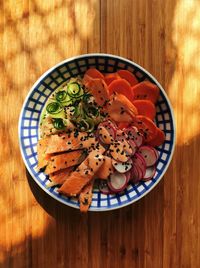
150 155
134 174
128 175
150 172
139 161
122 167
135 135
117 182
103 187
133 146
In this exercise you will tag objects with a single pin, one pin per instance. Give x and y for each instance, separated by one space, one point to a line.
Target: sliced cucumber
58 123
55 109
74 90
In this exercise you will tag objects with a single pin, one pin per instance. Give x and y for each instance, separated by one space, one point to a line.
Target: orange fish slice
83 174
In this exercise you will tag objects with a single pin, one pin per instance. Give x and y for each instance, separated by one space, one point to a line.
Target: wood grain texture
163 229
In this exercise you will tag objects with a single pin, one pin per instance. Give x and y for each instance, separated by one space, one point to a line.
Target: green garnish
58 123
61 96
54 108
73 89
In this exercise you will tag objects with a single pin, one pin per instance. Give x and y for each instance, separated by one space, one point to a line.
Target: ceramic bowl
36 99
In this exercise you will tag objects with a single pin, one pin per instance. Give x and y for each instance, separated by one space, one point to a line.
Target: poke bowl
59 77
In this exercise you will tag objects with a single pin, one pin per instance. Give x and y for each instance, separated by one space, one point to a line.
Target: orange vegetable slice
158 139
121 86
145 126
146 108
94 73
128 76
111 77
146 91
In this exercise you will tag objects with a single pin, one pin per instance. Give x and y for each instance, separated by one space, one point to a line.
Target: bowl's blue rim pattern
146 189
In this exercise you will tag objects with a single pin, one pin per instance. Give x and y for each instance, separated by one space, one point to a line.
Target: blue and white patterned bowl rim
130 195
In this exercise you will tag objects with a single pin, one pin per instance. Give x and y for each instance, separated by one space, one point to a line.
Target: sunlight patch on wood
184 88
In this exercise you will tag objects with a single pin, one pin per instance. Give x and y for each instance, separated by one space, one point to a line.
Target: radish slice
103 187
134 174
117 182
133 146
150 172
122 167
139 162
135 135
128 175
150 155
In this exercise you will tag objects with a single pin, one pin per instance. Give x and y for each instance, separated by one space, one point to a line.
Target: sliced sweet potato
98 88
105 170
82 175
111 77
146 91
62 161
85 197
121 86
158 139
146 108
69 142
128 76
94 73
59 177
145 126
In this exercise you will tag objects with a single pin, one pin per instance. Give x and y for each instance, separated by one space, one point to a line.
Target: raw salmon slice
70 142
59 177
83 174
62 161
106 169
41 150
85 197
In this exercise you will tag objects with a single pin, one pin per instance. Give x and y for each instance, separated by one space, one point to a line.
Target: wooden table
162 229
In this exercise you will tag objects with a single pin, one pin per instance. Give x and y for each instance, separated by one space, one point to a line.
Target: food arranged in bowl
98 130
